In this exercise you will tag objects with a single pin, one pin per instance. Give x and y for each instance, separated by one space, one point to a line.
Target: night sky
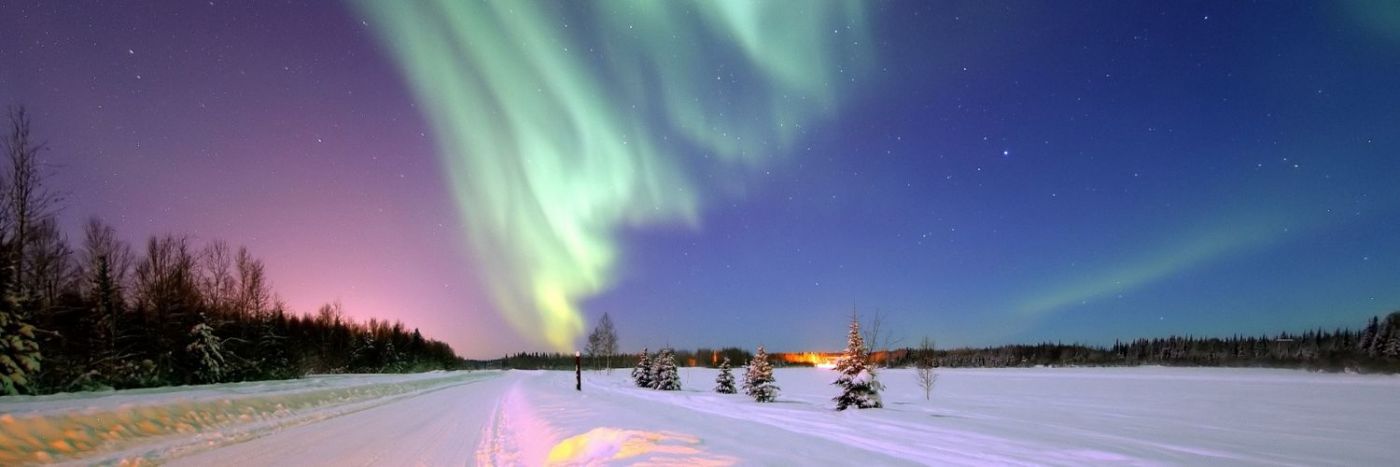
728 173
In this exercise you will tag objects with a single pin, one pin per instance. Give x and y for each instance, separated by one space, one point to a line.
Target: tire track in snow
514 434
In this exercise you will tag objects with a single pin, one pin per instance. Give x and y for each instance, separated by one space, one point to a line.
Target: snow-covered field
1140 416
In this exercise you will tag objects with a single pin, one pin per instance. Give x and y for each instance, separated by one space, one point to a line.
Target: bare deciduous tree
602 342
165 279
254 296
216 277
101 246
27 202
50 263
923 367
880 338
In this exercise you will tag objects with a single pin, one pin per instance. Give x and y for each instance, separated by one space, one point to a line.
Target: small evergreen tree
106 307
758 380
653 371
19 354
641 374
748 378
207 351
724 384
668 378
857 381
19 348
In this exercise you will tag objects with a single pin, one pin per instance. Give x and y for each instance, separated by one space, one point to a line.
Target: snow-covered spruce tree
19 354
654 371
858 385
642 373
668 378
207 351
748 378
724 383
758 381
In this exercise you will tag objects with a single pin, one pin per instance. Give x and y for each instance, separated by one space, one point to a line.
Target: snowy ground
1141 416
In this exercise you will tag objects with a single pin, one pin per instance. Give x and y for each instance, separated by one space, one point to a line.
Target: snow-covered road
439 426
1134 416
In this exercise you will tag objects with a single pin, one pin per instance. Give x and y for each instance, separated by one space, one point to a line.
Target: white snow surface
1039 416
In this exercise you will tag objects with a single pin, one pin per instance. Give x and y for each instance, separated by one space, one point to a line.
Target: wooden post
578 371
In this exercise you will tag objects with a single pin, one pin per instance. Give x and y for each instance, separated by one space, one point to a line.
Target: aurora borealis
733 173
545 161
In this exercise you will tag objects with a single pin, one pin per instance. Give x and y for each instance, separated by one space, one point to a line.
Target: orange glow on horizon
816 359
828 359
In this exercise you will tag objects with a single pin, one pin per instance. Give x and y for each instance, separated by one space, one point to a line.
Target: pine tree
653 371
106 307
641 374
272 347
668 377
748 378
1387 345
19 354
724 384
1377 348
207 351
758 380
19 349
857 381
1369 335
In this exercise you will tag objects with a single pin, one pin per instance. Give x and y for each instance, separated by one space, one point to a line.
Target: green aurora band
1189 251
561 123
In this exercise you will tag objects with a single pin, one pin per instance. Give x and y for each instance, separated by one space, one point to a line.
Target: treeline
102 315
701 357
1374 348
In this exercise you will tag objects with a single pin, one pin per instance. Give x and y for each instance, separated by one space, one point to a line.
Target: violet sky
980 172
